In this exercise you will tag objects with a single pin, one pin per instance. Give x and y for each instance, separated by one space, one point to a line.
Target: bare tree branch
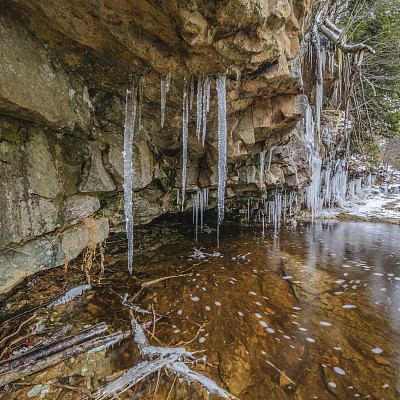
346 48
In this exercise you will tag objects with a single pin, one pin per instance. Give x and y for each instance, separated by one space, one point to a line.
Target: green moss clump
10 136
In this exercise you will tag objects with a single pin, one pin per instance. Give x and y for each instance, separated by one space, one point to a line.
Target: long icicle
262 166
185 118
130 117
206 106
199 106
165 84
222 140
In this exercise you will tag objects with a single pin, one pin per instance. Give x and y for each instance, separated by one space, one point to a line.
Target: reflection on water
312 314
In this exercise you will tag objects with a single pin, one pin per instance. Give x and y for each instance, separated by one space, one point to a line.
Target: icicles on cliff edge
200 202
222 140
165 84
262 165
130 117
185 120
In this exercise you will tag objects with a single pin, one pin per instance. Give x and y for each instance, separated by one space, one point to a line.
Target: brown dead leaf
283 380
268 310
115 375
381 360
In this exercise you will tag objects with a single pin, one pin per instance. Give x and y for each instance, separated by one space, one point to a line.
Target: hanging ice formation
222 140
165 84
199 106
206 106
200 202
262 165
271 152
191 93
273 211
185 119
140 101
130 117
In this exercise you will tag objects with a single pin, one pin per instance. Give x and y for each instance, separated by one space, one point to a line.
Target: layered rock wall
64 70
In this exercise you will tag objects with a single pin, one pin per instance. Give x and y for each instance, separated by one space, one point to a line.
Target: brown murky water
311 314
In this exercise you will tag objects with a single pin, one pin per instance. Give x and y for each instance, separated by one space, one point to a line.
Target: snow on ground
377 202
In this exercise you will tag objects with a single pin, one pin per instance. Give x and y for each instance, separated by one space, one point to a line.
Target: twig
281 372
154 322
158 382
173 383
68 387
158 280
19 328
196 265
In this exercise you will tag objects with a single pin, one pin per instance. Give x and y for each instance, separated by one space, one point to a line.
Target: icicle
140 101
199 106
201 201
196 210
222 138
199 204
184 139
262 165
309 122
206 105
130 116
319 97
271 151
165 84
177 196
191 93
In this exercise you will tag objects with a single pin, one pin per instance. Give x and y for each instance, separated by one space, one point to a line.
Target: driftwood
36 365
132 377
52 348
167 357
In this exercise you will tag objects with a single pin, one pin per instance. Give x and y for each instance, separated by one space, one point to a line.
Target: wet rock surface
64 74
310 313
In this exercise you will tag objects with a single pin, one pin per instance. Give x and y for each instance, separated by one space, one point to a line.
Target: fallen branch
38 365
158 280
132 377
52 348
161 356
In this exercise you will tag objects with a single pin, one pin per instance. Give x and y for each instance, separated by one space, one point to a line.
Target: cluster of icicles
133 107
275 211
329 181
330 184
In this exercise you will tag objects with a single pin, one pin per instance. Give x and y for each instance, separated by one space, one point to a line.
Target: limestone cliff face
64 70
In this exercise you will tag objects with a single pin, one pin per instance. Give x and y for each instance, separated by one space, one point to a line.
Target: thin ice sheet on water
69 295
